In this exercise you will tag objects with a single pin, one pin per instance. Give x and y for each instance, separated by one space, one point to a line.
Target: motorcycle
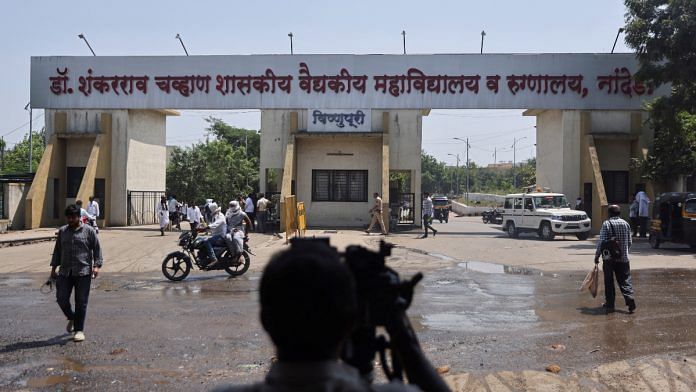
177 265
492 216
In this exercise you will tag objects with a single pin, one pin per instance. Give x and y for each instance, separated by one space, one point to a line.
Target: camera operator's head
308 303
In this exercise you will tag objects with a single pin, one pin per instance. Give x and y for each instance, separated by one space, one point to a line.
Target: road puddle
49 381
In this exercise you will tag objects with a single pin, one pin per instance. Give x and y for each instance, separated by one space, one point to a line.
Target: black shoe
367 232
608 308
434 233
632 307
212 264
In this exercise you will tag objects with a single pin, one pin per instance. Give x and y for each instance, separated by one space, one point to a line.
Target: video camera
382 297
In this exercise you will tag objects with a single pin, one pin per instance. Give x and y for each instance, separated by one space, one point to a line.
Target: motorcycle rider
218 229
238 223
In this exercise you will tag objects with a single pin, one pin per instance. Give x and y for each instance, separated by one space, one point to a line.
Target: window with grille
616 186
339 185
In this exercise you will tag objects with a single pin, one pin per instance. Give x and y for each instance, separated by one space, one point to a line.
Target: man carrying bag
614 243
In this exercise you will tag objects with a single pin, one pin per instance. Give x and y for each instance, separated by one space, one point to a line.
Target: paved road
493 324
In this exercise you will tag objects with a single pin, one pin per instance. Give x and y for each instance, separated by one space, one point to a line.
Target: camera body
382 297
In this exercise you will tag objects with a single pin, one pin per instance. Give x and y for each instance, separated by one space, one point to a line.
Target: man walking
78 253
615 233
93 209
643 212
250 210
376 212
261 207
428 215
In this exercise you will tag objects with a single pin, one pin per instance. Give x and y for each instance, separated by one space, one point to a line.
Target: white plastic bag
591 281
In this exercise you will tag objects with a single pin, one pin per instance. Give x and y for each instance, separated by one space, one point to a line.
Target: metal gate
142 207
405 208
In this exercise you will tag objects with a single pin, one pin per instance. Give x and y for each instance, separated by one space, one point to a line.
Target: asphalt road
496 326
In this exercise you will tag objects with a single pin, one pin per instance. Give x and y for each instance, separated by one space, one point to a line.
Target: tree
662 33
245 138
220 169
16 159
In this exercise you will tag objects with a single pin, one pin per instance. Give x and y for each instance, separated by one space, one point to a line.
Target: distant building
500 165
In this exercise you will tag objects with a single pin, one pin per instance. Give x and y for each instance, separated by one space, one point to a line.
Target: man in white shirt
218 229
250 210
93 209
193 214
261 207
643 212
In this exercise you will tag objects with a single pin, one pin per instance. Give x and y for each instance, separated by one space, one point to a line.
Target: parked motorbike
492 216
177 265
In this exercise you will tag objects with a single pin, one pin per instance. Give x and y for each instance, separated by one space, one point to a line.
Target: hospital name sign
563 81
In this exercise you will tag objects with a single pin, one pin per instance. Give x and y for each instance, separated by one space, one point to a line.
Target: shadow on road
54 341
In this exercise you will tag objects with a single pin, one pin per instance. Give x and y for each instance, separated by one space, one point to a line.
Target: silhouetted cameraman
309 308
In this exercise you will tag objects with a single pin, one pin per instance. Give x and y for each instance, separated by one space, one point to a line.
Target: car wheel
545 232
512 230
583 236
654 241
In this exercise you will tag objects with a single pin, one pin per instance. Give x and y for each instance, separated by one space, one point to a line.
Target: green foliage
219 169
662 33
436 177
16 159
238 137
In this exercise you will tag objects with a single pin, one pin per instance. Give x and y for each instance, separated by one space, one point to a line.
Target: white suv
547 214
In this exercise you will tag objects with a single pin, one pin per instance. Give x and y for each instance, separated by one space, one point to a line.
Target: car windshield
550 202
690 206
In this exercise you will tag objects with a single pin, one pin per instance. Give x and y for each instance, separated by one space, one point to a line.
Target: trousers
64 288
622 272
377 219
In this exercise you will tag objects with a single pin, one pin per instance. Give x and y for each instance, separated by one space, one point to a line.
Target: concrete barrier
464 210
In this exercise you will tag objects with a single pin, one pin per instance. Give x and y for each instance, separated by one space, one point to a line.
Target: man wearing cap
236 222
218 229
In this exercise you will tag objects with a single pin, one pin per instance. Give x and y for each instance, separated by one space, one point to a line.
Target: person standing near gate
633 215
78 254
261 207
428 215
250 210
162 210
376 212
614 244
643 212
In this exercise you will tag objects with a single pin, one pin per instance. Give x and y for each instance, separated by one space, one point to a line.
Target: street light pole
182 43
483 34
467 166
291 35
403 33
457 189
82 36
31 139
514 160
621 30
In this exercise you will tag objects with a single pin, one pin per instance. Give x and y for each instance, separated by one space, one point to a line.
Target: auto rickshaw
674 219
441 208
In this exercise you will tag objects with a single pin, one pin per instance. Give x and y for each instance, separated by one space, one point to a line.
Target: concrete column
288 167
385 170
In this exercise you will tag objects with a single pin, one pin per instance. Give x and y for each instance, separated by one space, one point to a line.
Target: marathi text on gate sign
545 81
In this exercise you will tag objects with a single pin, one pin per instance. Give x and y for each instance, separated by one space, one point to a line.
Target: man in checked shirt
615 227
79 256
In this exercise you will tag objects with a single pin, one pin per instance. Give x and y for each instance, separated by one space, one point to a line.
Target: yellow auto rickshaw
674 219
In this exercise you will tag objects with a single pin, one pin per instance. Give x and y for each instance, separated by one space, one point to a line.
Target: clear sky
127 27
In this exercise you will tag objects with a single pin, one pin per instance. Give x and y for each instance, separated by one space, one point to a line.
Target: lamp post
467 166
182 43
31 138
483 34
514 157
291 35
403 33
621 30
457 189
82 36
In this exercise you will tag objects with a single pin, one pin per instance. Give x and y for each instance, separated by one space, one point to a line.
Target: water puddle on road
49 381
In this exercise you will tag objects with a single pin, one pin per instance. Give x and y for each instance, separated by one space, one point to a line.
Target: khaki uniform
377 215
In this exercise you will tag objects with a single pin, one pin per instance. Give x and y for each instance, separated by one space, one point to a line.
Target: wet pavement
146 333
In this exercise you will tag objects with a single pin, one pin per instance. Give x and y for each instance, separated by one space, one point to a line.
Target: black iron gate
142 207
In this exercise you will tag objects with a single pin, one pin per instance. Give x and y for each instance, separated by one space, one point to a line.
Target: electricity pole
31 138
403 32
514 160
467 166
457 188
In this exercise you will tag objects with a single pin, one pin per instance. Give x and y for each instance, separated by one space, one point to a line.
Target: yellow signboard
301 218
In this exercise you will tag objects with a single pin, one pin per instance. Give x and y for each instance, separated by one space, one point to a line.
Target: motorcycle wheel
176 266
240 268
